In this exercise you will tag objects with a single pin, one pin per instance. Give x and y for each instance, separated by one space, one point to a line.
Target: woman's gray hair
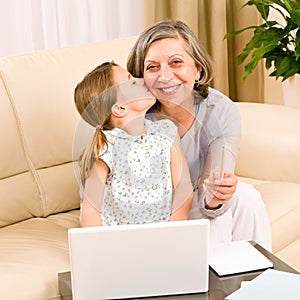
170 29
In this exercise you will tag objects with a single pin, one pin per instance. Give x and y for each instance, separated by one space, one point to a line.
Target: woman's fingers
219 191
228 179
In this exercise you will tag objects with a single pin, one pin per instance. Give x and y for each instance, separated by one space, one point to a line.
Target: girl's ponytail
97 144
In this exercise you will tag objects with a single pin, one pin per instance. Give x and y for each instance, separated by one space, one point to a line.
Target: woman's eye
176 62
151 67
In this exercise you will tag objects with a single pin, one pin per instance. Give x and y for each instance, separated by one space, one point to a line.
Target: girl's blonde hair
171 29
94 97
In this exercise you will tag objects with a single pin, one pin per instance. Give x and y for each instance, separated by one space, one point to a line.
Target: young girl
133 171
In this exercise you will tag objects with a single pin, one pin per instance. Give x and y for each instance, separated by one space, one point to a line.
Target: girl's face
132 91
169 71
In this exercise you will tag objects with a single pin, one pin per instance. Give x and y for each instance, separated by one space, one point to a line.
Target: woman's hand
218 191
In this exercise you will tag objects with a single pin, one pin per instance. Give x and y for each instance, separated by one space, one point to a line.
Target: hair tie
99 127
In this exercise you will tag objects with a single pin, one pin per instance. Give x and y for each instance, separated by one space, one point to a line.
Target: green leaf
278 61
262 8
297 45
255 42
295 17
265 39
233 33
285 65
268 63
271 23
296 4
272 34
288 5
256 57
291 72
290 25
274 56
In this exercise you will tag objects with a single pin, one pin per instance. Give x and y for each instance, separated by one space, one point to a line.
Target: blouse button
154 187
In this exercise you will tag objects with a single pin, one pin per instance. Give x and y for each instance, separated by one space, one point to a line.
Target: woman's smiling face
169 71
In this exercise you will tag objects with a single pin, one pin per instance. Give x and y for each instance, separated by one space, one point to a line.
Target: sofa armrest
270 147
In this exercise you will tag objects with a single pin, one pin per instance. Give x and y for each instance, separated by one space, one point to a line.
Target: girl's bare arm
93 195
182 187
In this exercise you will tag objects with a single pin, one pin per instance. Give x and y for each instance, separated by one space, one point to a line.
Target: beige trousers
246 219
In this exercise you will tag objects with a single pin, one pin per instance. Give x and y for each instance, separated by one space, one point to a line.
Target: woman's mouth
170 90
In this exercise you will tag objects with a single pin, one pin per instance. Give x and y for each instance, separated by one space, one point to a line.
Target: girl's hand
218 191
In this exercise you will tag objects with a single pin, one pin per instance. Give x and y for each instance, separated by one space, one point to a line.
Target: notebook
128 261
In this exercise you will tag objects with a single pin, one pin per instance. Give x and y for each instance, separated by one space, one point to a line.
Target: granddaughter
133 170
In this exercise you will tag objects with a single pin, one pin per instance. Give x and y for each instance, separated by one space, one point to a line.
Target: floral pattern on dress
139 185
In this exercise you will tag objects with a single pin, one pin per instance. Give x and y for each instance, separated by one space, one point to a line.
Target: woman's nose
166 73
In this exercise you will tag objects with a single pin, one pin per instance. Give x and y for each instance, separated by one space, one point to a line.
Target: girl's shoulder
116 133
163 124
110 135
162 127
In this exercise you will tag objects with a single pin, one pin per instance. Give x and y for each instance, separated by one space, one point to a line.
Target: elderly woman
177 70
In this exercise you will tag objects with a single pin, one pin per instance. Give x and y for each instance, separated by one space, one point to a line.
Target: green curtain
210 20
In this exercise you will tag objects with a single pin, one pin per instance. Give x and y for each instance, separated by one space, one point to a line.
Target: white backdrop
32 25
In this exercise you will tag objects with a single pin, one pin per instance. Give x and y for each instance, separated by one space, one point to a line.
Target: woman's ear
119 110
198 73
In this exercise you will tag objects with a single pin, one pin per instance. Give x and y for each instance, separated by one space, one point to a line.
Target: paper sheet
237 257
270 285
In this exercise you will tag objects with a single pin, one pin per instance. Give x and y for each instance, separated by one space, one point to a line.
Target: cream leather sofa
39 197
270 160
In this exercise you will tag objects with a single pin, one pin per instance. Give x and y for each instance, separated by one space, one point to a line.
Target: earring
197 83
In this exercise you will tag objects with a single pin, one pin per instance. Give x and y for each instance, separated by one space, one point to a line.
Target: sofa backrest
38 124
270 148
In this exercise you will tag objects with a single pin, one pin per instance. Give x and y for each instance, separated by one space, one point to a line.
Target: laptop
130 261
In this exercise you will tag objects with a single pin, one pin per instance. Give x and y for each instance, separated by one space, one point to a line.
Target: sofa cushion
19 193
270 142
11 162
32 252
60 186
283 206
19 199
290 254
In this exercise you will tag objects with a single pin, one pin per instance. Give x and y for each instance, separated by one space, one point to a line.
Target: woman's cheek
150 82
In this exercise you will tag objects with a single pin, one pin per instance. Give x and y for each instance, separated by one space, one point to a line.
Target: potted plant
278 44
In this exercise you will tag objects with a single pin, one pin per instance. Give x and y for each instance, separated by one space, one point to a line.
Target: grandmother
177 70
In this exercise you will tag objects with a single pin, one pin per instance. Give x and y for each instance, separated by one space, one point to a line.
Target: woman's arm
219 191
222 122
93 195
182 187
220 185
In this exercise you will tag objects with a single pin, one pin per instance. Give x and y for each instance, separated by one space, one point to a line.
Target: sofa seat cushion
32 252
290 254
283 206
